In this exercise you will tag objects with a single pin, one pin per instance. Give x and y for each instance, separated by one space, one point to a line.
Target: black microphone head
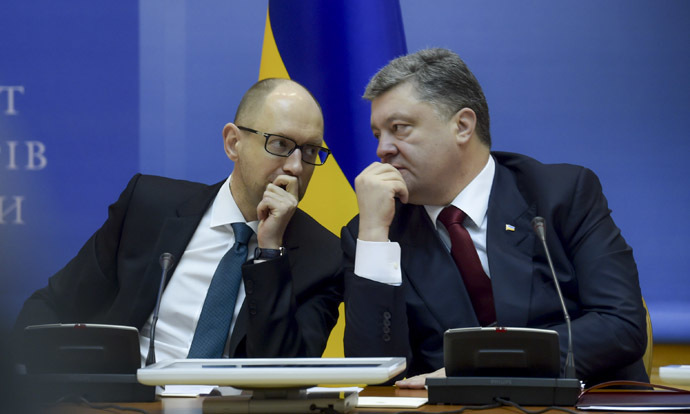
539 226
166 260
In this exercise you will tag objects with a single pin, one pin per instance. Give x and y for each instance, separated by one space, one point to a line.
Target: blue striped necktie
214 322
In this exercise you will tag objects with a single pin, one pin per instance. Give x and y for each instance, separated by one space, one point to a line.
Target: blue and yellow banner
333 48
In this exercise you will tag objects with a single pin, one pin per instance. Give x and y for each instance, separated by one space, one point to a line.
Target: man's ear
464 122
231 141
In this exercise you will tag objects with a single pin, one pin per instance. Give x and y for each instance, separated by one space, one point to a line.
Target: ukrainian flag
333 47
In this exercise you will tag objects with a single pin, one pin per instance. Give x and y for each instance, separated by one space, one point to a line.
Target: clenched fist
275 210
377 187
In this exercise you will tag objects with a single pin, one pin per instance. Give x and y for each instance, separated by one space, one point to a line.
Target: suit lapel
430 270
510 249
173 237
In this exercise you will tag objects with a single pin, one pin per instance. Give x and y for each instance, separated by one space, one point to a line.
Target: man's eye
277 144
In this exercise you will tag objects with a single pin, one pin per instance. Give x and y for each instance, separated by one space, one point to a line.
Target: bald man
289 291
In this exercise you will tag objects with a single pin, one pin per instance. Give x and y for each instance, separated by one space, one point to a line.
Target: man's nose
386 147
293 163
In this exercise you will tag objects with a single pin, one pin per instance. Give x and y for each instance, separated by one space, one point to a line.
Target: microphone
539 226
166 260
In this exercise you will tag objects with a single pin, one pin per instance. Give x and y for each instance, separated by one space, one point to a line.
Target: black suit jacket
594 265
291 302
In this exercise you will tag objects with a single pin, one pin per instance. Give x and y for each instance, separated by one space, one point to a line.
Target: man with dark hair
443 238
256 276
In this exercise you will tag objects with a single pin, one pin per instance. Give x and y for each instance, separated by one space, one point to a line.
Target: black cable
461 410
499 403
543 410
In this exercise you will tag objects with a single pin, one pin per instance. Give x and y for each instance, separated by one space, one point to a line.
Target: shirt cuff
378 261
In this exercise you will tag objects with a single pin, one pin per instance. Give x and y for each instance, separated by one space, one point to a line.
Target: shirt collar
224 210
473 199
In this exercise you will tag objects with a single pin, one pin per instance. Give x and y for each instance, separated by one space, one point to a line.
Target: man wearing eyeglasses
283 300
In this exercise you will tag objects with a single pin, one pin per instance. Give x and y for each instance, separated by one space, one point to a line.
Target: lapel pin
510 227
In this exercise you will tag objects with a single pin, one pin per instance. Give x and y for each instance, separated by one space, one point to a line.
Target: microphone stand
166 261
538 224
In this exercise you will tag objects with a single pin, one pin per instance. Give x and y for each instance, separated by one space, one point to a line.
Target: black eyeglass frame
267 136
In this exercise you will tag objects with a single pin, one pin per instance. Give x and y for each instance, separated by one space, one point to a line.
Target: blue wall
70 139
111 88
603 84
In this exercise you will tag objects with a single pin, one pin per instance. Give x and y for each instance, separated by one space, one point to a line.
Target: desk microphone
166 260
539 226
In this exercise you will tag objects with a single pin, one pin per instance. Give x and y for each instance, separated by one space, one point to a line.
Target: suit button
386 323
249 287
387 315
386 337
386 330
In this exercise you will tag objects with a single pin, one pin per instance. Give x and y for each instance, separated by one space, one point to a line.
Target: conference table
178 405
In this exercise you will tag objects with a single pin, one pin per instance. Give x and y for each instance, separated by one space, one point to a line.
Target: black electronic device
501 352
91 361
520 390
517 364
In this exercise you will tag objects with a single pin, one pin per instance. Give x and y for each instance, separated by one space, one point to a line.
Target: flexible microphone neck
539 226
166 261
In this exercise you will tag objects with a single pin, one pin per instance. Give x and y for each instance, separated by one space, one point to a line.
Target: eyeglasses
284 146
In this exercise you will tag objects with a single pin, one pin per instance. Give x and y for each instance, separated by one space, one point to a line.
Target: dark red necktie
465 255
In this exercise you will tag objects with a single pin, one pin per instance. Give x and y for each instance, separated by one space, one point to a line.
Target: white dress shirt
380 261
183 297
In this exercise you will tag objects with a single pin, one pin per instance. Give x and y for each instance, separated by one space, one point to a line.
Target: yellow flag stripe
272 65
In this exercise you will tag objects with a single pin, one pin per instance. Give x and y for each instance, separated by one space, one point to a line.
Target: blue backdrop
92 92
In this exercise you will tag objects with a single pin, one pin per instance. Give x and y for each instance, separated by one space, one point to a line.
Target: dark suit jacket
594 265
291 303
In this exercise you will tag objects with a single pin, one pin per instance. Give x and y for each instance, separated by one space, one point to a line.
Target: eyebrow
393 117
308 142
